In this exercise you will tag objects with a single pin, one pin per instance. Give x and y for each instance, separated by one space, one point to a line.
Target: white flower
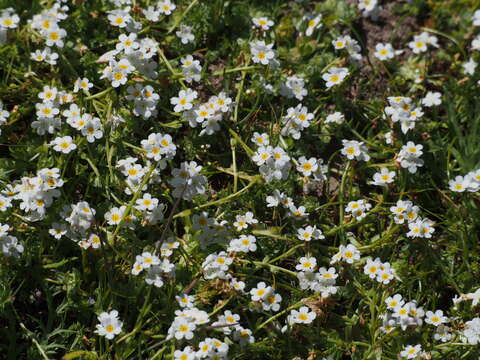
476 18
109 325
63 144
185 301
335 76
432 98
469 67
54 36
459 184
411 352
92 130
166 7
186 354
83 84
435 318
372 267
261 52
336 117
394 302
471 332
419 43
367 5
383 177
353 149
307 166
306 264
262 23
183 329
309 233
409 156
119 18
475 296
384 51
261 292
184 100
8 20
348 253
260 139
313 22
127 43
303 315
185 34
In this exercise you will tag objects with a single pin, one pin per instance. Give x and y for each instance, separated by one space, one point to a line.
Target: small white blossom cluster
159 147
471 332
157 269
469 182
409 156
189 319
309 232
191 69
337 118
79 219
185 34
266 297
402 110
134 174
274 162
350 45
187 181
208 114
164 7
381 272
216 265
35 193
421 228
47 111
211 231
47 24
404 210
358 208
298 212
245 243
297 119
89 126
401 314
9 244
145 100
353 149
242 221
130 54
322 282
293 87
348 254
151 209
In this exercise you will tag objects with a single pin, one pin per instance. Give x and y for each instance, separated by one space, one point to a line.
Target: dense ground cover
231 179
